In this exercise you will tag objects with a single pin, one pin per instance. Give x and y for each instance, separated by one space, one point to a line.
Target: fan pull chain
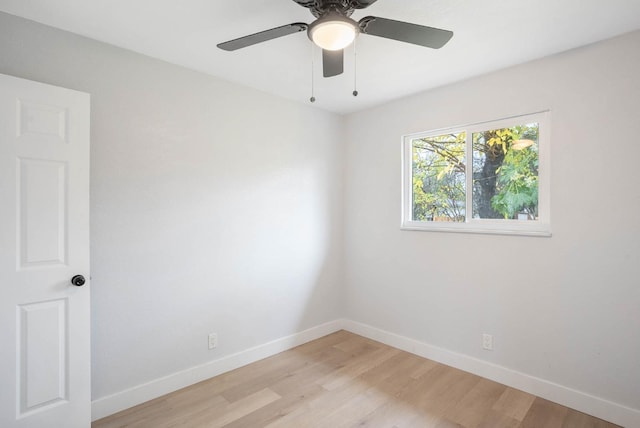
313 98
355 70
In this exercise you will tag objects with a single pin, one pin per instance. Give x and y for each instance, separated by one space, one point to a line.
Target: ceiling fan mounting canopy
344 7
333 30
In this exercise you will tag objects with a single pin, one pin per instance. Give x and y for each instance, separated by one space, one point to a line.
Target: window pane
505 173
438 178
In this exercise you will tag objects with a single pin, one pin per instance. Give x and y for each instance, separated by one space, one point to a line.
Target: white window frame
540 227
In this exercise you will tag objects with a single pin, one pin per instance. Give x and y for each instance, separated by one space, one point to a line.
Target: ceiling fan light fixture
334 29
333 32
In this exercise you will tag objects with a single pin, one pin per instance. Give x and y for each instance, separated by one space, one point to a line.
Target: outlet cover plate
213 340
487 342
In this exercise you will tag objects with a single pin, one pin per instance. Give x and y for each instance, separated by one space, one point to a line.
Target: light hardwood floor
345 380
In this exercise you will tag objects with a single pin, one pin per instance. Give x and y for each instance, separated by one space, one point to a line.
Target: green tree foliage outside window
504 175
439 178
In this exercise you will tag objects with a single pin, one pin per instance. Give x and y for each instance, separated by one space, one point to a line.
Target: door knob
78 280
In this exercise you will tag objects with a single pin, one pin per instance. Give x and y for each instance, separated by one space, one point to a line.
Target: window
490 177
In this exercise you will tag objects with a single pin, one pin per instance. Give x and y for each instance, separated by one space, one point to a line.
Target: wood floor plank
441 389
423 368
268 371
345 380
419 394
137 416
314 412
391 378
358 366
243 407
514 404
575 419
310 412
312 373
393 413
356 411
277 409
297 359
351 411
544 413
474 406
496 419
352 345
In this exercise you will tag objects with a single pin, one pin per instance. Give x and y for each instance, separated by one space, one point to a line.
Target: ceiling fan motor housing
344 7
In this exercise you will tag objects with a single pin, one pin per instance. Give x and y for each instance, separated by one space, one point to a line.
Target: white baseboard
595 406
598 407
114 403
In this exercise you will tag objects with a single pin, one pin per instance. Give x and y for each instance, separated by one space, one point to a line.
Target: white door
44 242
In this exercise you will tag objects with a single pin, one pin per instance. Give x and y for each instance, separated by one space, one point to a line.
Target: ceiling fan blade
361 4
262 36
405 32
332 62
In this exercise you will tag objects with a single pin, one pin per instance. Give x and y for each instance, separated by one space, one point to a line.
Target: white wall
219 208
566 308
213 207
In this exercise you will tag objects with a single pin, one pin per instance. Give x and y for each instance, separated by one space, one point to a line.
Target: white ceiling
488 35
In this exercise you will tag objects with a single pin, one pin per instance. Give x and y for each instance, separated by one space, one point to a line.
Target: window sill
487 228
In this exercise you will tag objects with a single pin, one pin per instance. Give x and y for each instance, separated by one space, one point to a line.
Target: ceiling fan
334 30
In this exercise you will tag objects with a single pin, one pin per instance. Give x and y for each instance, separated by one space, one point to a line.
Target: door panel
44 242
41 212
42 335
41 122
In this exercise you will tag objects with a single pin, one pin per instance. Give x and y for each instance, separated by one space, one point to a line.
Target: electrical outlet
487 342
213 340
